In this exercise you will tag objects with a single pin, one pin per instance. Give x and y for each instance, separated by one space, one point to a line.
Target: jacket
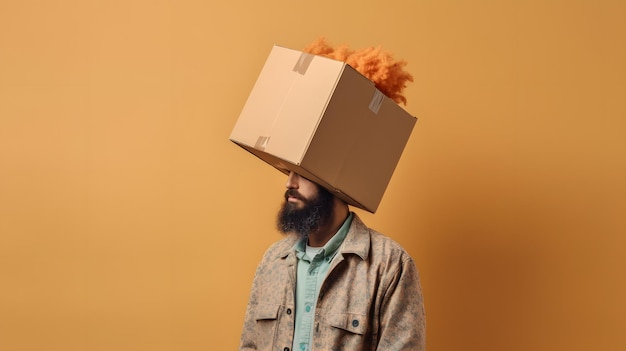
371 298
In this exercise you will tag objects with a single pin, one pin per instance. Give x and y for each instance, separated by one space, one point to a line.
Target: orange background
128 221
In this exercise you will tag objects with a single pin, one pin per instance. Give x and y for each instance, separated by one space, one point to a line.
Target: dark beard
315 213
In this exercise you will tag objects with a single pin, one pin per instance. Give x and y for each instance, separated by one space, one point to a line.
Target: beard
314 213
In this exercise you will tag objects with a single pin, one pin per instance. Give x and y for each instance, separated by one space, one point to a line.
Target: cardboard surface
324 120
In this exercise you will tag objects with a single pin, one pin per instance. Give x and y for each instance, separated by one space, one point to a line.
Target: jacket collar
358 239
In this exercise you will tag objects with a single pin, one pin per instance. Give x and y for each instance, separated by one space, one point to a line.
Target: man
333 283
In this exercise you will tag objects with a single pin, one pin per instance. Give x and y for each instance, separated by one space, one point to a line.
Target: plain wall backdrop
128 221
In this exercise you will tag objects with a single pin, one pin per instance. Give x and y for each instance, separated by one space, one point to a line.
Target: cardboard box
324 120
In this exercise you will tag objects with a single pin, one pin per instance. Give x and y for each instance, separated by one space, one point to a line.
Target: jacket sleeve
269 319
402 318
247 341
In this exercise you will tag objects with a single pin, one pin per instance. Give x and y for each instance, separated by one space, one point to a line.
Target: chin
293 206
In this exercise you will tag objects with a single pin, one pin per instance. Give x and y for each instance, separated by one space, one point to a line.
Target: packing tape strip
261 143
303 63
377 101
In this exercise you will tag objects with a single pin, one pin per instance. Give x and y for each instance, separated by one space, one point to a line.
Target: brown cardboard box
324 120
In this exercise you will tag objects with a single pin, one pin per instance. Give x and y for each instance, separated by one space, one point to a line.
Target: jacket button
289 311
286 349
355 323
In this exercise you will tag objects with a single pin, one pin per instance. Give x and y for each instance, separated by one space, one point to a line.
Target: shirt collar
333 244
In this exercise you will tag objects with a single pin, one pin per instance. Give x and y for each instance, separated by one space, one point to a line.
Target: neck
321 236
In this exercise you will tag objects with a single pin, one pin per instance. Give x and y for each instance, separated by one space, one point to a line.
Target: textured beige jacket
371 298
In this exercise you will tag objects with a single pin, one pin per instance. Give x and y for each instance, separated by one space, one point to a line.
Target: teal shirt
311 274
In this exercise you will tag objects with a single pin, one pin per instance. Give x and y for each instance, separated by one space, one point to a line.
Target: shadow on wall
524 274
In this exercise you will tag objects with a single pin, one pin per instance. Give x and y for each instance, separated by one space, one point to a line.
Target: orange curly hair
374 63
